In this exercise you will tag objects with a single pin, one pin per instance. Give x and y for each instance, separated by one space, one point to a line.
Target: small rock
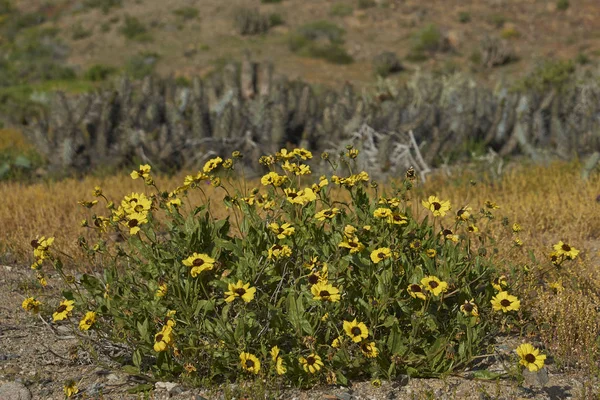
112 377
14 391
7 268
171 387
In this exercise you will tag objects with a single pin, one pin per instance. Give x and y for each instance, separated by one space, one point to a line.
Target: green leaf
342 380
130 369
143 329
146 387
485 374
137 358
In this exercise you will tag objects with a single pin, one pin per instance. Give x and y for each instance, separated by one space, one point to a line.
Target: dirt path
41 357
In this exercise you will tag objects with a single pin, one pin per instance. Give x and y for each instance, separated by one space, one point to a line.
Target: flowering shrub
305 281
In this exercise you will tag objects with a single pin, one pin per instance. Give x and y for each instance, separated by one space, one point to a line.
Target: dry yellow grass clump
14 141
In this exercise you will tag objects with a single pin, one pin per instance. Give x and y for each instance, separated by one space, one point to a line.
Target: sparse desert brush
320 39
292 284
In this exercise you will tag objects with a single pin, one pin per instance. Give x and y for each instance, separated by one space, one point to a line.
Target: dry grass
12 140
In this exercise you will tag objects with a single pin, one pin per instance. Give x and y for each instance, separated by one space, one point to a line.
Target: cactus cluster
248 108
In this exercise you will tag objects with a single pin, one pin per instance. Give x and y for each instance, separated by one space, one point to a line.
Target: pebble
171 387
14 391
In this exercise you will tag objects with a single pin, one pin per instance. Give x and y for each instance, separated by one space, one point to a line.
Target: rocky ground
36 359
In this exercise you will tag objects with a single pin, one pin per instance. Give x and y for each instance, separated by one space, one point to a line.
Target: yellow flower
311 364
189 368
87 204
356 330
164 338
227 164
239 289
97 191
337 342
491 205
449 235
434 285
325 292
353 244
369 349
249 362
518 242
266 160
87 321
382 213
279 367
376 383
380 254
516 228
472 229
31 304
274 353
416 291
557 286
499 283
273 178
563 249
70 389
212 164
282 231
464 213
42 280
431 253
41 247
302 196
327 214
173 204
63 311
191 180
134 221
143 172
397 219
303 153
315 276
199 263
278 251
530 357
505 302
285 154
349 231
162 290
438 207
469 308
136 203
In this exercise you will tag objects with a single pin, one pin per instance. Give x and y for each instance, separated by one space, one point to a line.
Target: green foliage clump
320 39
364 4
562 5
550 74
303 282
134 29
464 17
426 41
104 5
386 63
498 20
78 32
99 72
276 19
142 64
340 10
271 1
186 13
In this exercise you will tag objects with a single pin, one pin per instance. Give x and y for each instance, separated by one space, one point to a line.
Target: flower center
436 205
566 247
240 291
249 364
61 308
505 303
310 360
415 288
159 338
313 279
35 244
324 293
530 358
355 331
433 284
292 195
468 307
198 262
381 255
132 223
138 208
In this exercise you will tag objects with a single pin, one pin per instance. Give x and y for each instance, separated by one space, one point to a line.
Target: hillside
190 37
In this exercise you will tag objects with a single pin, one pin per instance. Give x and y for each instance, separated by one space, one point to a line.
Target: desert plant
276 19
271 1
549 74
320 39
134 29
498 20
104 5
464 17
340 10
249 21
510 33
78 32
186 13
142 64
386 63
298 286
364 4
426 41
99 72
495 52
562 5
